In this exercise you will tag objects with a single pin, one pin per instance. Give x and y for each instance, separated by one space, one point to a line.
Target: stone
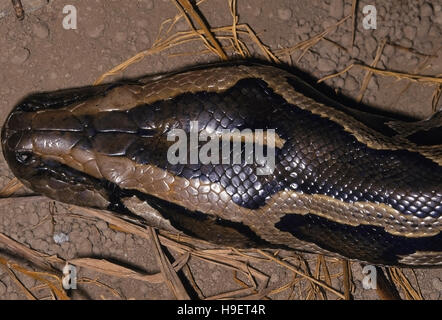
120 238
423 27
325 65
410 32
120 36
148 4
20 55
437 284
284 14
60 238
336 8
101 225
40 30
96 32
426 10
2 289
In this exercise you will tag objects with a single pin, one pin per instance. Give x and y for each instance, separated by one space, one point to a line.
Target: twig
18 8
169 274
11 187
347 276
288 266
187 6
367 77
400 75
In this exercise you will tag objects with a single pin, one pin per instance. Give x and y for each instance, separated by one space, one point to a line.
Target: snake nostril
24 157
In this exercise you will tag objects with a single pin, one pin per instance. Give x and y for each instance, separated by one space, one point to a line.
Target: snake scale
345 182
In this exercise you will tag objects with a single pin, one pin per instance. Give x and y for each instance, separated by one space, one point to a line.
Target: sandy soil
38 54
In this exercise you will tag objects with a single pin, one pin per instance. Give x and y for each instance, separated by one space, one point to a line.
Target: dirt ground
39 54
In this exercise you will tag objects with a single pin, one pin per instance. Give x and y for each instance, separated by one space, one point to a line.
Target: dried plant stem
367 77
186 7
288 266
399 75
11 187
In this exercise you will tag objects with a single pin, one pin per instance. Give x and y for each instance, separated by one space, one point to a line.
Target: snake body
345 182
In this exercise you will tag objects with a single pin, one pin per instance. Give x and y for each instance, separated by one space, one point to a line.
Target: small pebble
406 43
438 18
426 10
256 10
350 83
182 25
2 289
102 225
373 84
434 296
410 32
60 238
284 14
20 56
120 238
339 83
40 30
96 32
371 45
148 4
423 27
337 8
84 247
325 65
33 218
355 51
437 284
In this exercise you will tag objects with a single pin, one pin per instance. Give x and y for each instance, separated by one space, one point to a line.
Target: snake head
38 137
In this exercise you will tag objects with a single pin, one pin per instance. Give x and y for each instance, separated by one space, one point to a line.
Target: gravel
284 14
20 56
96 32
325 65
337 8
426 10
40 30
61 238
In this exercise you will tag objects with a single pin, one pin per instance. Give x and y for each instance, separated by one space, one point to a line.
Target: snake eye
24 157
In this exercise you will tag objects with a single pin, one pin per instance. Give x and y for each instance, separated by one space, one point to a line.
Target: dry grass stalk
304 46
398 75
292 268
97 283
11 187
401 281
369 73
105 267
55 285
46 262
186 7
436 97
189 275
17 281
346 267
170 276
